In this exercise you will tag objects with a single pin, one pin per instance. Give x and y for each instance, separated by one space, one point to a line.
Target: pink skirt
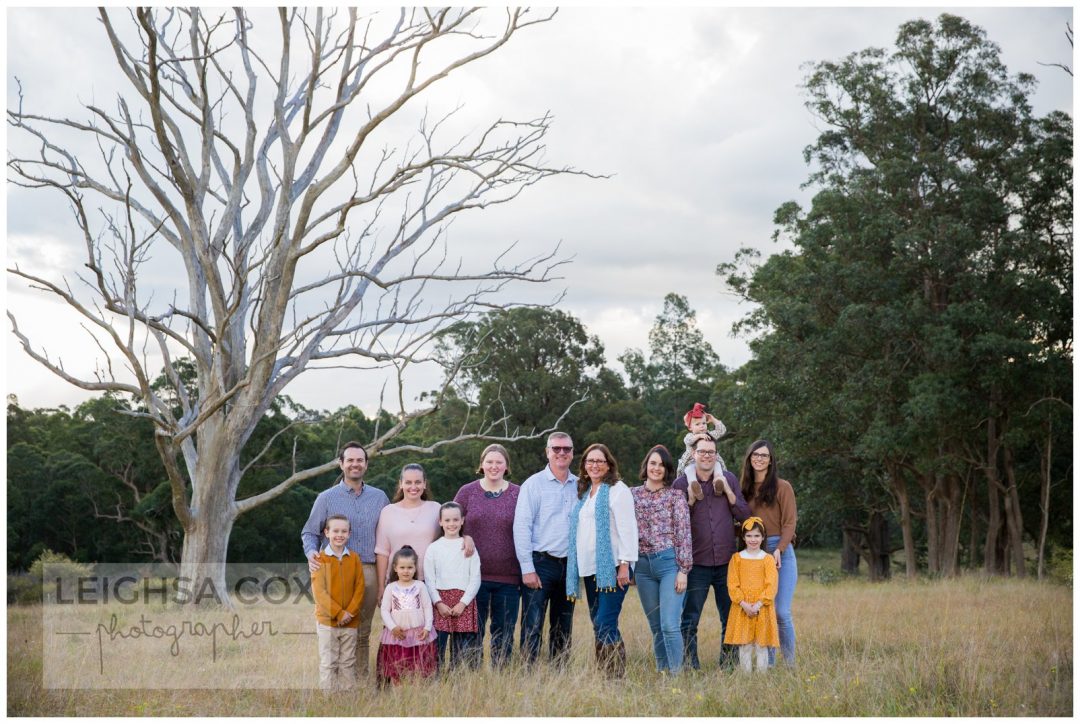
395 663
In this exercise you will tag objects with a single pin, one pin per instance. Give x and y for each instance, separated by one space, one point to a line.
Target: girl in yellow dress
752 586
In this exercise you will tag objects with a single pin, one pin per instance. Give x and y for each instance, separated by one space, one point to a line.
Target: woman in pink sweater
411 519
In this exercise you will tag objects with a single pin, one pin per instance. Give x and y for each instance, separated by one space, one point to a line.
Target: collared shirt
712 521
329 550
362 509
542 517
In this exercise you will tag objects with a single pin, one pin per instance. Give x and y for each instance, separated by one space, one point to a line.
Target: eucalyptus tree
681 368
259 156
926 296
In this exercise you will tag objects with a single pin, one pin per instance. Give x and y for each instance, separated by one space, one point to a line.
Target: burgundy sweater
490 522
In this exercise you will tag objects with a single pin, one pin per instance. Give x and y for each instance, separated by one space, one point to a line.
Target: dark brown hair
400 494
702 437
349 444
450 505
403 552
584 481
665 458
766 494
756 525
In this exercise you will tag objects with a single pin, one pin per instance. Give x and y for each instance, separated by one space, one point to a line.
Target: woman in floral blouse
664 555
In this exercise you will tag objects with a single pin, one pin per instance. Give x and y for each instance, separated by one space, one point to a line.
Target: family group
444 575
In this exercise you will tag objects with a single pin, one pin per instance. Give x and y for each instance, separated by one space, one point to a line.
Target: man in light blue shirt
361 504
541 540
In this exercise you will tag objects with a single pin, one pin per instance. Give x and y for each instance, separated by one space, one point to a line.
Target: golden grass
966 647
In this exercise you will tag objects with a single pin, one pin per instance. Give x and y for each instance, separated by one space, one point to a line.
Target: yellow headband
749 523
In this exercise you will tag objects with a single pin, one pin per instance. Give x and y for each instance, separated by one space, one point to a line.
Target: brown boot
618 661
603 658
696 493
612 661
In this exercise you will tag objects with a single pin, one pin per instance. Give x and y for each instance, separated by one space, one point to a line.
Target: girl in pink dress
407 644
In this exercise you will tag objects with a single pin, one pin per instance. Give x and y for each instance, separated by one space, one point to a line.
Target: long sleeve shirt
490 522
445 566
622 526
413 597
781 516
338 586
663 519
712 521
362 509
542 517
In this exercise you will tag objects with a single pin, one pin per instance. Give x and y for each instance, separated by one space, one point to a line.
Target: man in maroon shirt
712 531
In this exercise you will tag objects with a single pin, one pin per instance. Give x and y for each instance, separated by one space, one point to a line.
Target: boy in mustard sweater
338 586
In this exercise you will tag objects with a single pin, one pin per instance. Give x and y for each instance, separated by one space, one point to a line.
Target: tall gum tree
926 305
251 152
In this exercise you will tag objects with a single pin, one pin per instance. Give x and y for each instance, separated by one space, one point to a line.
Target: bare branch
291 231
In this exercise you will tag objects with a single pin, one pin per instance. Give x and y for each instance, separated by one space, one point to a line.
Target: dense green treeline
912 354
87 482
913 346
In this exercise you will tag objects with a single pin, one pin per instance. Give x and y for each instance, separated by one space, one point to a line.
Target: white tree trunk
298 242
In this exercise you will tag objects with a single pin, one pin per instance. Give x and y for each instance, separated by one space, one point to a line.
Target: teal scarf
605 561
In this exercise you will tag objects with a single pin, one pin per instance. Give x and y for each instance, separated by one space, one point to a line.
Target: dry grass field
966 647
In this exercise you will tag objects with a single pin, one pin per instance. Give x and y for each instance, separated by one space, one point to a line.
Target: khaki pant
337 657
367 613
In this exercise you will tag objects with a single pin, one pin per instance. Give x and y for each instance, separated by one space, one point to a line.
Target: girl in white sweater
453 582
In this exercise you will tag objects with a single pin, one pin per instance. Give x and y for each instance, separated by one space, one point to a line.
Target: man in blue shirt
361 504
541 540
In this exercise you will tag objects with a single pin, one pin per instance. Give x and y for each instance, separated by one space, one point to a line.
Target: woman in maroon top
665 555
488 505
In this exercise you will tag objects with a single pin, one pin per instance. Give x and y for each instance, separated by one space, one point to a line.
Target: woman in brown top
773 500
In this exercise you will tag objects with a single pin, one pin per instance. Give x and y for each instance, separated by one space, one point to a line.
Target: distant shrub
826 576
1059 567
60 570
23 588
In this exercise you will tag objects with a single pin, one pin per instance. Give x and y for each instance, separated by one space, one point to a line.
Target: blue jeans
501 601
604 610
698 582
551 596
663 607
462 649
788 576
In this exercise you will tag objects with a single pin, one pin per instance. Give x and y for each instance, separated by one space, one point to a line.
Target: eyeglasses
760 456
562 450
596 462
706 453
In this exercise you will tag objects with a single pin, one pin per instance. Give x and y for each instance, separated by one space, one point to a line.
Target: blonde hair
494 448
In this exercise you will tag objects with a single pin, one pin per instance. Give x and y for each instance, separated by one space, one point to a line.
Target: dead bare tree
254 165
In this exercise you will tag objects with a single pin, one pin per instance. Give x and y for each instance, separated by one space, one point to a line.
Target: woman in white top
603 547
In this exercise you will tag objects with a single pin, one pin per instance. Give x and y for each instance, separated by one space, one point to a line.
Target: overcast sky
696 114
